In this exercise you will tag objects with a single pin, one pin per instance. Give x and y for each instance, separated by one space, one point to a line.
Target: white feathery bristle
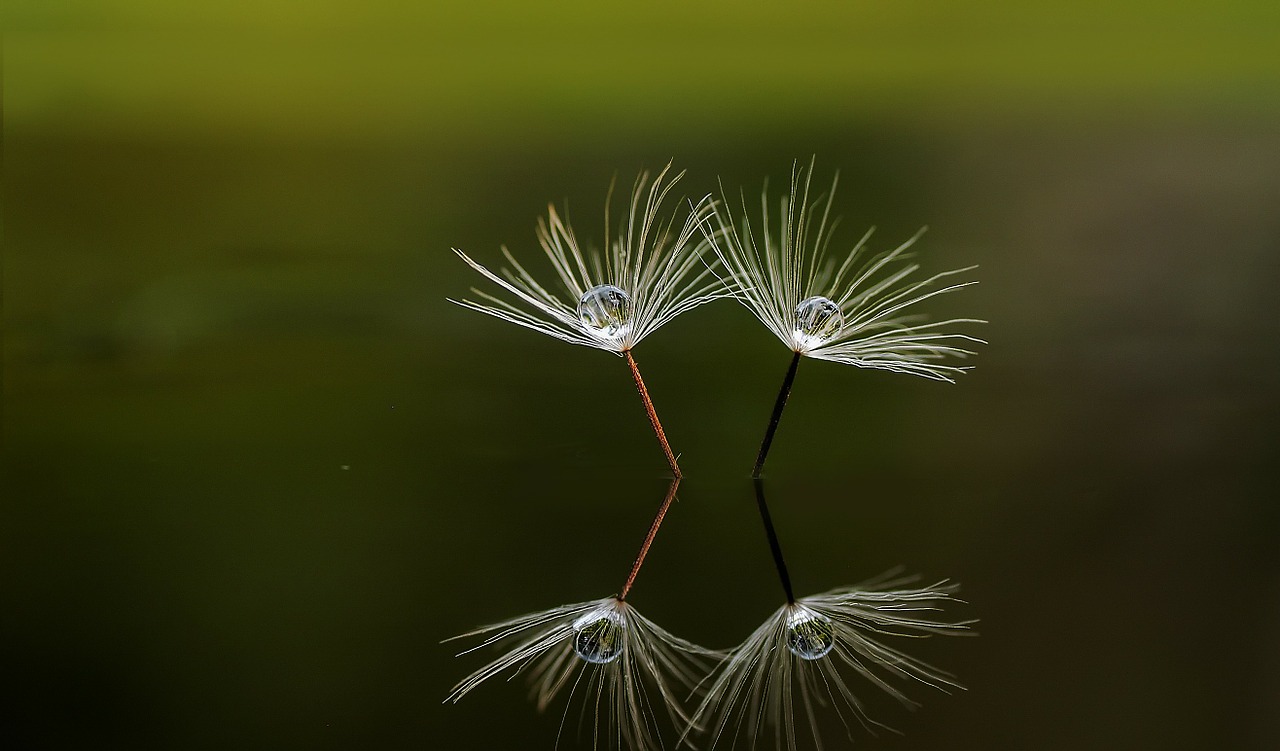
630 669
786 261
781 669
660 274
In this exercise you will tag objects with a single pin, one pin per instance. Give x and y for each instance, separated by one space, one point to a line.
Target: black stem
783 393
774 547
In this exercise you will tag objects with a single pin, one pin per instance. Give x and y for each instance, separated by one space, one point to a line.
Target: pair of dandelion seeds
643 685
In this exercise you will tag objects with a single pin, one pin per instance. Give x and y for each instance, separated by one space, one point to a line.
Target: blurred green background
256 467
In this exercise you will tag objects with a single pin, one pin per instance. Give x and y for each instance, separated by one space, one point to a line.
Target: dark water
256 466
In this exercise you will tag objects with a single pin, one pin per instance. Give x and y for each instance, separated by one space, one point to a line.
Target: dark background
256 467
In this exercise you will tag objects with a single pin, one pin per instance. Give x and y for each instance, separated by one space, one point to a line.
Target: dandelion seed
646 277
631 671
857 311
803 655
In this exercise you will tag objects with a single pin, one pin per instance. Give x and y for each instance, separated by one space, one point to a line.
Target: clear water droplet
606 309
810 636
818 318
598 636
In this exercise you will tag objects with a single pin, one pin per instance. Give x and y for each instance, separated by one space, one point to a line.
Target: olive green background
256 467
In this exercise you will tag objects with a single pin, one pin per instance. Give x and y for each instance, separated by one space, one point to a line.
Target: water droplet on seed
607 309
809 635
598 636
818 318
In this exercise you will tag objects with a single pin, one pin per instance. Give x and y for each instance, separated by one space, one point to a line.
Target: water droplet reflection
598 636
818 318
810 636
607 309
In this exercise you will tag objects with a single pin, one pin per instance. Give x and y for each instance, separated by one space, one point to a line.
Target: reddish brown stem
653 415
648 540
